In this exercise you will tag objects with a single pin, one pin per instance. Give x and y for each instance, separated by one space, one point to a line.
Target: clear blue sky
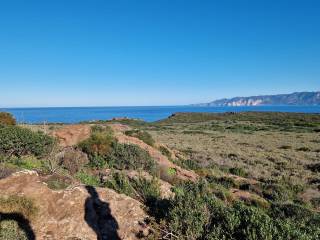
155 52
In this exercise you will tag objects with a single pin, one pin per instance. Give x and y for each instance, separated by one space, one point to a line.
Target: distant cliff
297 98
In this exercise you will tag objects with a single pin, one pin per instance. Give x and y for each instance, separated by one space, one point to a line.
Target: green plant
225 181
145 190
127 156
238 171
277 192
120 183
194 213
142 135
17 141
87 178
98 146
7 119
165 151
18 204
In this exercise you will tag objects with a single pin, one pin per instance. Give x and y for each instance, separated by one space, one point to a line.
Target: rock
77 213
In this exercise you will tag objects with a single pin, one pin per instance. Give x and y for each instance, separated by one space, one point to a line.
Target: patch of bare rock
81 212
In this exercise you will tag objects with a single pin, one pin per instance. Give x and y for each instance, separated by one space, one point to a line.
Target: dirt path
72 134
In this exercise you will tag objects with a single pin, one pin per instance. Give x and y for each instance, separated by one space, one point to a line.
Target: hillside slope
297 98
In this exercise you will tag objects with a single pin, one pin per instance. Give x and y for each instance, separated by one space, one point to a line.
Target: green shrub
18 204
17 141
7 119
238 171
144 190
120 183
26 162
225 181
292 211
194 213
97 144
165 151
142 135
131 157
188 213
88 179
276 193
190 164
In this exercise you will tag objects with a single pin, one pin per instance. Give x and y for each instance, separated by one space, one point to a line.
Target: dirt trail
72 134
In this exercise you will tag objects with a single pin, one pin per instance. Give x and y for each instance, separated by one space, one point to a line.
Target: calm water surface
77 114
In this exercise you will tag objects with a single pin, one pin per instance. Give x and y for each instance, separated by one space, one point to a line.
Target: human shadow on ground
98 216
22 222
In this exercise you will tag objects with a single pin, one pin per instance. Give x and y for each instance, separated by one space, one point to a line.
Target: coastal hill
297 98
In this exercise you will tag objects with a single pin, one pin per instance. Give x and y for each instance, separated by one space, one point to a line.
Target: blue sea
149 114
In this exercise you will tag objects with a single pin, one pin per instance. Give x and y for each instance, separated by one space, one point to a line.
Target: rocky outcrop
76 213
297 98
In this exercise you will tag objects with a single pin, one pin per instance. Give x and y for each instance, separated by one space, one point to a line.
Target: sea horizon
38 115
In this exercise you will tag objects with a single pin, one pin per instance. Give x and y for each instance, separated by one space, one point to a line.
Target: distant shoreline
148 114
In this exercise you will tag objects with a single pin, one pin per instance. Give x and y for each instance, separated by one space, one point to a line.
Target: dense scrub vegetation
248 121
142 135
105 152
7 119
17 141
195 213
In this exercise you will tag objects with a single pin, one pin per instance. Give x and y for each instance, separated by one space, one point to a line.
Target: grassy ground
267 146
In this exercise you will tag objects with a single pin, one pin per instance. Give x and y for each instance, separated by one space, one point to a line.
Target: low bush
276 193
142 189
131 157
88 178
165 152
17 141
99 144
194 213
238 171
26 162
290 211
7 119
227 182
142 135
18 204
72 159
